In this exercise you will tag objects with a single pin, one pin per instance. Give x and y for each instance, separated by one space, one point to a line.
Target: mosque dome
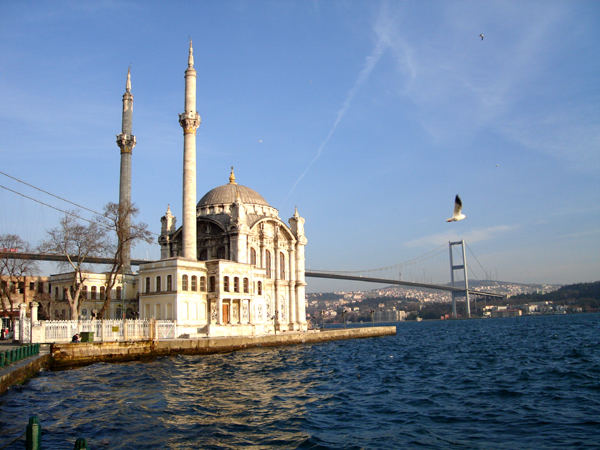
228 193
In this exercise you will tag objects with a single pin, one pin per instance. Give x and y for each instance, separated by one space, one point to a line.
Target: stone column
292 288
300 281
34 312
189 121
22 318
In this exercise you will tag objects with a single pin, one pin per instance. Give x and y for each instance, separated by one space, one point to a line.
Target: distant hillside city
394 303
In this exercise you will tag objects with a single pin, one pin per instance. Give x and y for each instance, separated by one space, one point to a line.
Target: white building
234 267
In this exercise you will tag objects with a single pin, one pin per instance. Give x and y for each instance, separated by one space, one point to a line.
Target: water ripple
528 382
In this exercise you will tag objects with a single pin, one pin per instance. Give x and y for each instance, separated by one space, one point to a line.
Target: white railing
60 331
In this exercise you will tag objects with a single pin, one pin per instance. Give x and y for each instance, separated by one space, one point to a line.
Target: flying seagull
481 36
457 214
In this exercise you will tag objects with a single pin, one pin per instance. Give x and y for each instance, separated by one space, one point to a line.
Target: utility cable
51 194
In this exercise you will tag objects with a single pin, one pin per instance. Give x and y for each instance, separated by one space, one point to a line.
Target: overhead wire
99 214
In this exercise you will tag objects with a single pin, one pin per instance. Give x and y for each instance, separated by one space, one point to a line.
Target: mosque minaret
126 142
190 121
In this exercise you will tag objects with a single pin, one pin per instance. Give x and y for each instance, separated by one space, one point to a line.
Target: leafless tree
13 272
124 236
77 242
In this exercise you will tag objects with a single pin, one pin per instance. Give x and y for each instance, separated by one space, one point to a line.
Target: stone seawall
70 355
21 371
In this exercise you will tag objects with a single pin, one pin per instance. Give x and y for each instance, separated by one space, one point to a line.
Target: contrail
370 63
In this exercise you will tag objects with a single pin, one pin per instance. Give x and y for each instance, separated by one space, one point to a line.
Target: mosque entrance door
225 313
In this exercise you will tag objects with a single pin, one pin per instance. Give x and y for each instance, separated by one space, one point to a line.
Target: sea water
526 382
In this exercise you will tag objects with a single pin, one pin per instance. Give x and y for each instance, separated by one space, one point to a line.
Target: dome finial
232 177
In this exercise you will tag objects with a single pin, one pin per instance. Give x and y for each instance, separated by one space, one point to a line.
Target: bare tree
127 234
76 242
13 272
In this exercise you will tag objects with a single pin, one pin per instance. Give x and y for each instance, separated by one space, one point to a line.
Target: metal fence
60 331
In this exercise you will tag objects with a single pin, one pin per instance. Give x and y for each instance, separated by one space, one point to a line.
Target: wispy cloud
478 235
369 65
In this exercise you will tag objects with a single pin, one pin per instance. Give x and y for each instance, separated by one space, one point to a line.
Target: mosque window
246 285
203 255
84 292
221 253
32 285
226 284
147 285
212 283
102 293
281 266
194 283
64 294
118 295
203 284
93 292
236 284
260 288
158 287
268 263
169 283
184 283
252 256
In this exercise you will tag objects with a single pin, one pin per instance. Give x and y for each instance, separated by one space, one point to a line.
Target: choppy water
531 382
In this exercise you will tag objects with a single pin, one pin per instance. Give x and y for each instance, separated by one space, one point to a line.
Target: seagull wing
457 206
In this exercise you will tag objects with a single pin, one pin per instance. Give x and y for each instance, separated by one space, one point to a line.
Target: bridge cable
477 259
427 255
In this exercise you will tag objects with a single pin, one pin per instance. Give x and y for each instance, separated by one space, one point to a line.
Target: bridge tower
126 142
460 267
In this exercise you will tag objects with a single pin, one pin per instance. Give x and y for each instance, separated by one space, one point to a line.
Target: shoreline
72 355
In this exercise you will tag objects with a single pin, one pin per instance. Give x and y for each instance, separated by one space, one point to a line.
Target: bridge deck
333 276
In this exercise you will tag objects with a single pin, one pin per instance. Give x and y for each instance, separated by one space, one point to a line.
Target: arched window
203 284
245 285
252 256
147 287
84 292
184 283
281 266
259 288
118 294
236 284
158 287
268 263
93 292
194 283
226 284
102 293
212 284
169 283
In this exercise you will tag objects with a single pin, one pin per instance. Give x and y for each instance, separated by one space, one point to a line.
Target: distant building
124 301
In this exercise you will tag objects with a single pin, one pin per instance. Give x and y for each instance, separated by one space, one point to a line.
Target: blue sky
369 116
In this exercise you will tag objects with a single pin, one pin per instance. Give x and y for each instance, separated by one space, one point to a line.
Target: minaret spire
189 121
126 141
128 83
191 56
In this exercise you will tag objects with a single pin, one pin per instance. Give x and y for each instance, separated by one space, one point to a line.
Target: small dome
228 193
